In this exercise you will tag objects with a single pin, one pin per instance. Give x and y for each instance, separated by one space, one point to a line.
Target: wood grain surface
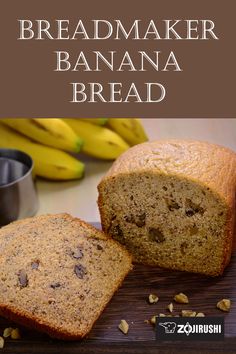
130 303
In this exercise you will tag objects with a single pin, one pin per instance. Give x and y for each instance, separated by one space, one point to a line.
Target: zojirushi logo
187 329
207 328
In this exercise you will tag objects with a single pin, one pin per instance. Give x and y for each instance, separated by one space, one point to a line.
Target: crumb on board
123 326
181 298
153 299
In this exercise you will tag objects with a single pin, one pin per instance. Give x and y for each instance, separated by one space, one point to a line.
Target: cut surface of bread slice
57 274
172 204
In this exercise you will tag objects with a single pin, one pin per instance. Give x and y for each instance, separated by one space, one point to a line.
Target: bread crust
210 165
39 324
33 322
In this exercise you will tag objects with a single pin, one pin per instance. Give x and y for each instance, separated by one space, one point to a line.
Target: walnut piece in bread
172 204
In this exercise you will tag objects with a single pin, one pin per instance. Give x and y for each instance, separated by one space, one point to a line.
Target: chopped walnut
170 307
181 298
200 314
7 332
1 342
153 320
123 326
15 333
153 298
164 315
224 305
188 313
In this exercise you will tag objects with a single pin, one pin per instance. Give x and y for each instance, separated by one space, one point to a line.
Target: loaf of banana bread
172 204
57 274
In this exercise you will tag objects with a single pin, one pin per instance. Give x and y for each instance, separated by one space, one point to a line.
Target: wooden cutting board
130 303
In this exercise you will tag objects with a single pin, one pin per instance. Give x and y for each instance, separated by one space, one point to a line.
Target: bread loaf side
172 204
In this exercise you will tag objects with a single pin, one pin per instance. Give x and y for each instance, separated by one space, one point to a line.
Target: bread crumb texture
172 204
57 274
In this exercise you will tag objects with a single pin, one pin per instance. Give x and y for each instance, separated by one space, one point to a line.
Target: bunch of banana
48 162
99 141
110 140
52 132
44 138
130 129
96 121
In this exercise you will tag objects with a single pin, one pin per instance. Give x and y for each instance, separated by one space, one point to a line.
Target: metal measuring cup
18 196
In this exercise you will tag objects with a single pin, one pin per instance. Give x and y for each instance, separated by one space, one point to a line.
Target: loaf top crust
209 164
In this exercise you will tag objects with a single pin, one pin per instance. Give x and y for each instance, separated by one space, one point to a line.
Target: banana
97 121
48 131
48 162
98 141
130 129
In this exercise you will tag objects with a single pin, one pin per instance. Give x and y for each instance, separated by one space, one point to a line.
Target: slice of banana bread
57 274
172 203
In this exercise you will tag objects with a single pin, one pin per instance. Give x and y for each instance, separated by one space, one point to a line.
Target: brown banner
179 54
